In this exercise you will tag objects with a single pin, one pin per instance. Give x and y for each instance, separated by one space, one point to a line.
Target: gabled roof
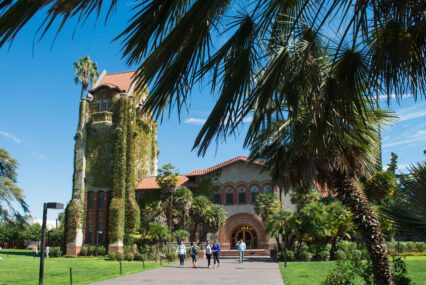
150 183
120 81
222 165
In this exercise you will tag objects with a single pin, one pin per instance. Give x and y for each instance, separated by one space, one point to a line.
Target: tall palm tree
328 135
86 72
10 194
183 200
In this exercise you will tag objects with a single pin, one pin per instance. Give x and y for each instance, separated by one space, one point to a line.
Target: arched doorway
247 234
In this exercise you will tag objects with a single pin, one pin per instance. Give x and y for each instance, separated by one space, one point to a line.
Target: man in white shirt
241 248
181 252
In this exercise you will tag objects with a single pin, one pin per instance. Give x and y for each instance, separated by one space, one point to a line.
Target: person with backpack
216 253
208 252
181 252
195 249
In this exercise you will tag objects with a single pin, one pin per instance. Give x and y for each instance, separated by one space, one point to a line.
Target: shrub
420 246
340 254
112 256
92 250
305 255
55 252
346 246
341 274
119 256
290 255
102 250
324 255
129 256
410 246
84 251
171 256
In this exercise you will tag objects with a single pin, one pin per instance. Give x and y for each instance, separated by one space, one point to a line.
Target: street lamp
99 232
50 205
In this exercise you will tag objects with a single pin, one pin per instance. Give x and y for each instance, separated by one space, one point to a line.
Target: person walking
241 248
208 252
181 252
195 249
47 251
216 253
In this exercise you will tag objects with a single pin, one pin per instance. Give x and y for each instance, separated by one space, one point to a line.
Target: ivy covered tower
115 147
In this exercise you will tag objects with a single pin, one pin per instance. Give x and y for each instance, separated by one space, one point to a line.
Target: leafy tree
266 204
301 198
10 193
180 235
158 233
183 199
168 178
86 72
31 233
200 207
215 218
381 185
277 225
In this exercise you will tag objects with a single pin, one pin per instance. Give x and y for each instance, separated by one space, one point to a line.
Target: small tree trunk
333 248
352 196
194 231
279 247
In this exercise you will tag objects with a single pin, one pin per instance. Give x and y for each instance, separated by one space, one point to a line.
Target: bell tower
115 146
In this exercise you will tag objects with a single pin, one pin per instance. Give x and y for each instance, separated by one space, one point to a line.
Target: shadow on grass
19 252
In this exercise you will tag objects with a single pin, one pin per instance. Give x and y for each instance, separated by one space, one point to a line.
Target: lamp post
99 232
50 205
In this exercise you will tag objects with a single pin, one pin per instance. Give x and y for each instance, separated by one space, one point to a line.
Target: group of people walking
211 250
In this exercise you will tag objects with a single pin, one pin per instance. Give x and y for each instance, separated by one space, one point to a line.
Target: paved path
230 272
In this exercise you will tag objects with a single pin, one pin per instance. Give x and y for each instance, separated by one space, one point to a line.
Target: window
101 201
254 189
216 197
229 195
267 188
242 195
104 104
138 196
91 197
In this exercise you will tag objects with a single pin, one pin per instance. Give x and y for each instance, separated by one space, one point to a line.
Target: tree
266 204
381 185
86 72
277 225
183 200
173 43
10 194
197 212
180 235
168 178
410 214
158 233
215 218
324 139
393 164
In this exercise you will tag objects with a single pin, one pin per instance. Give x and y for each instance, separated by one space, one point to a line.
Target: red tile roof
221 165
150 183
122 81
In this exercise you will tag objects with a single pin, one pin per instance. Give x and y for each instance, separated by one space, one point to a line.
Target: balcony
102 118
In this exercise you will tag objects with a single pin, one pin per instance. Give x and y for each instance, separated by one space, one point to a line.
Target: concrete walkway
251 272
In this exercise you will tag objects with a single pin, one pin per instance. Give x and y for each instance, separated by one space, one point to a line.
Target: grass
19 267
310 273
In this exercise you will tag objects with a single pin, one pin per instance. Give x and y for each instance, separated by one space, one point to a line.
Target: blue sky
39 103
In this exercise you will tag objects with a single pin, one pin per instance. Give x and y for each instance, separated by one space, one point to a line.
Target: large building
115 163
235 184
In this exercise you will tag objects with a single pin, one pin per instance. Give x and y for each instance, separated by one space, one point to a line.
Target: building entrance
247 234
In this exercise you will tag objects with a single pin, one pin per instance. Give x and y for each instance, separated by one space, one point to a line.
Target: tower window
101 202
91 199
104 104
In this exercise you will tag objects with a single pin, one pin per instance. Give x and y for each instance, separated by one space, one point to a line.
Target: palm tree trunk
352 196
82 93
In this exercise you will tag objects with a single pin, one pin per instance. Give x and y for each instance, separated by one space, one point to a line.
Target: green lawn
310 273
19 267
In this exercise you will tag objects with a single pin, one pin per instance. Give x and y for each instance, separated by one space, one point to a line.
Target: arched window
242 195
254 189
216 196
267 188
101 200
229 192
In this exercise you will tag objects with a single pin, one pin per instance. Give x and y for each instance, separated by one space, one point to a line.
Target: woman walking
208 252
181 252
194 254
216 252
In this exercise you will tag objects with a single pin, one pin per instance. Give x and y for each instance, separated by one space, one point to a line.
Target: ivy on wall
73 213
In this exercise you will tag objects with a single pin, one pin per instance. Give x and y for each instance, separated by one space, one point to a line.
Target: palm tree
86 71
10 194
183 200
327 135
168 178
266 205
158 233
198 212
410 214
215 218
277 225
175 46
